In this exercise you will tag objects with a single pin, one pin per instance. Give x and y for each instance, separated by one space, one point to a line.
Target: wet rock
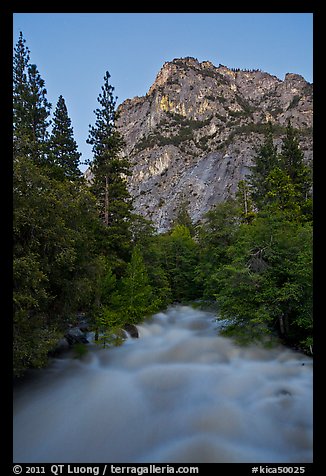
76 336
283 392
84 325
132 330
61 347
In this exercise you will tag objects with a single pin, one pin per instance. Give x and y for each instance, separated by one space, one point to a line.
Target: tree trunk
282 329
245 202
106 202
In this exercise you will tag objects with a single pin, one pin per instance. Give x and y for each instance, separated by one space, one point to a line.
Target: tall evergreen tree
292 161
31 109
265 160
37 114
180 259
137 299
63 146
20 94
109 171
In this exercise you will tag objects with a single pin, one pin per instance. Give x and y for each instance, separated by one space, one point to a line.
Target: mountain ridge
192 137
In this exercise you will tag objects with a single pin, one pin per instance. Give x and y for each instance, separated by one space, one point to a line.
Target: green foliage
109 170
62 145
31 108
109 328
256 251
153 252
292 162
136 298
282 181
127 301
183 128
183 218
179 258
245 201
265 161
80 248
33 339
268 279
216 234
53 224
80 350
281 194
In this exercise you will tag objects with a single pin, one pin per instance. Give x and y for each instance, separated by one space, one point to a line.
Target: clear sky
73 51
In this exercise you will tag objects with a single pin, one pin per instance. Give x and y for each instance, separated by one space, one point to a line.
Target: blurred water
178 394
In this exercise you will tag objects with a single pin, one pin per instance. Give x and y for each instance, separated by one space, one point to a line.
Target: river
178 394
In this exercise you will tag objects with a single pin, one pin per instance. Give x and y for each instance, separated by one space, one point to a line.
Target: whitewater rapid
178 394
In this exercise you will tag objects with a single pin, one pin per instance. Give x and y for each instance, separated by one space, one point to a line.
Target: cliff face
192 137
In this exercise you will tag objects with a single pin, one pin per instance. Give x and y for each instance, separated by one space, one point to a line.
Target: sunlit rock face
193 136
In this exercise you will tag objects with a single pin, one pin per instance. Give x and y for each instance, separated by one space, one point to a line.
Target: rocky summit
192 137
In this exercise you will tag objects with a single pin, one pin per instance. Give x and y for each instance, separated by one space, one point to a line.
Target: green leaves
179 258
268 278
81 248
282 181
136 298
53 224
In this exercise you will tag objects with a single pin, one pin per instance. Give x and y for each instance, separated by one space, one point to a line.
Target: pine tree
292 161
282 195
109 171
37 114
63 147
180 258
136 294
20 94
31 108
263 163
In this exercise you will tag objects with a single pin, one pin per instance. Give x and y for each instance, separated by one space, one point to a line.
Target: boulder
132 330
76 336
61 346
84 325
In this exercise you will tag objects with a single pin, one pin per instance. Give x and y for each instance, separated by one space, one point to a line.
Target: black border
6 32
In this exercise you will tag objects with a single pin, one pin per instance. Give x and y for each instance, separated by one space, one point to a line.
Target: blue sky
74 50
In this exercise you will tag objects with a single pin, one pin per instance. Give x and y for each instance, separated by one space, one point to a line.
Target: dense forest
79 247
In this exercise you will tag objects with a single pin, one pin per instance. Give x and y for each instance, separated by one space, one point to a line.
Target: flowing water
178 394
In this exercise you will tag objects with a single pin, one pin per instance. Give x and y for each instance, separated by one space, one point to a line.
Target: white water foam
178 394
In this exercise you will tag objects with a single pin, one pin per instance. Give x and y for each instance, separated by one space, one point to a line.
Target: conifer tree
20 93
31 109
63 146
264 162
292 161
109 171
38 115
183 218
180 251
136 294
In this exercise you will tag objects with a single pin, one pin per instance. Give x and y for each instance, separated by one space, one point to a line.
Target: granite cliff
191 138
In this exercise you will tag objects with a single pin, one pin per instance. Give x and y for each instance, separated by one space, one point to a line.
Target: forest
79 247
